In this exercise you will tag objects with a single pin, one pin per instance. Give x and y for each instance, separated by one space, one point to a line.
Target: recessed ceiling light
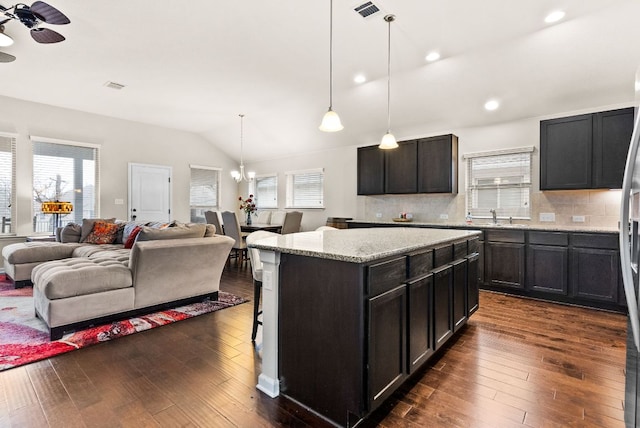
492 105
554 16
360 78
432 56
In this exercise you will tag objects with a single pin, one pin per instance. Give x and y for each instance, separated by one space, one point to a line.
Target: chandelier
240 175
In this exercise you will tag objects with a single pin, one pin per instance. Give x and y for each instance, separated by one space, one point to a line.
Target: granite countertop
361 245
479 224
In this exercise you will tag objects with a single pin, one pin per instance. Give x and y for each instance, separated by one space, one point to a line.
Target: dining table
260 226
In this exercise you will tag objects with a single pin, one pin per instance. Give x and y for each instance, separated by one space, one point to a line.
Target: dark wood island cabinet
360 310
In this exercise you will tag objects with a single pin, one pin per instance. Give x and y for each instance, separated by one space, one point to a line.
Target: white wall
121 142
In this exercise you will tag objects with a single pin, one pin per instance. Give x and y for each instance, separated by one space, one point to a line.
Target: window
305 189
500 181
204 191
64 171
266 191
7 181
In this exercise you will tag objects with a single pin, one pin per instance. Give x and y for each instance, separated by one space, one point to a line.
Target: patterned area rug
25 339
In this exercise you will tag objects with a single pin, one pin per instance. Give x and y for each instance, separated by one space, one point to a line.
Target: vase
248 218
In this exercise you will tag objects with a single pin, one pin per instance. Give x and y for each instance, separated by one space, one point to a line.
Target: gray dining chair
232 229
292 221
256 271
212 218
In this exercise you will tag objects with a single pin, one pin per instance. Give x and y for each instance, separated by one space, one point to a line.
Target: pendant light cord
389 19
241 145
330 54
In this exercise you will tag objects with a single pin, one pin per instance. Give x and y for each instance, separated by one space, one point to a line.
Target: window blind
266 191
501 182
204 190
65 171
305 189
7 182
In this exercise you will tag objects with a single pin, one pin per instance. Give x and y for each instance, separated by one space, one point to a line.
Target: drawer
516 236
549 238
473 245
595 240
420 263
384 276
442 255
459 250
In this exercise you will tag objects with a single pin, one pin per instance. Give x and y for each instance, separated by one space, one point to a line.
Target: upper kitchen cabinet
438 164
370 171
586 151
425 165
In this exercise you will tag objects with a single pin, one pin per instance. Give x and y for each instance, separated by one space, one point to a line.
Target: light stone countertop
361 245
485 224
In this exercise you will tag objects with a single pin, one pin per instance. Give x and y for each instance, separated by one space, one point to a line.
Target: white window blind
266 191
7 182
305 189
501 182
65 171
204 192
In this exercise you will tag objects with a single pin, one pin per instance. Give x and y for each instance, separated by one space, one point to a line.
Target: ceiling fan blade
5 57
48 13
45 35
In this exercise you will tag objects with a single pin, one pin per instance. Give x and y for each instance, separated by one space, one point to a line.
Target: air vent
366 10
114 85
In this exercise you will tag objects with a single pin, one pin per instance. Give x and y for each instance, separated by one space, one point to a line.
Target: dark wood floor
518 363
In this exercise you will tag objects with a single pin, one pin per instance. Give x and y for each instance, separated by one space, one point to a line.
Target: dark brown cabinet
370 171
387 346
438 164
473 284
442 310
595 265
504 258
586 151
459 293
401 166
425 165
421 346
548 262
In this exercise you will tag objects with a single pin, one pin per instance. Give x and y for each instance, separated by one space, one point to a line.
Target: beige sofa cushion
79 276
87 250
29 252
192 230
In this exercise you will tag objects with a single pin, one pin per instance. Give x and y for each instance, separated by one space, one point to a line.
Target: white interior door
149 192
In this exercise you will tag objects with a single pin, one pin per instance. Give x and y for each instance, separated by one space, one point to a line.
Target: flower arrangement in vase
248 206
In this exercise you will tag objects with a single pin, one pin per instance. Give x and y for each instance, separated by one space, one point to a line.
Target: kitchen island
349 315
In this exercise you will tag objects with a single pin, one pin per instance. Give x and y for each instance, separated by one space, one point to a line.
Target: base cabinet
442 308
421 346
595 274
547 269
459 293
473 283
505 264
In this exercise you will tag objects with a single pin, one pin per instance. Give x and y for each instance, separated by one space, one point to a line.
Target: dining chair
232 229
292 222
212 218
263 217
256 271
277 217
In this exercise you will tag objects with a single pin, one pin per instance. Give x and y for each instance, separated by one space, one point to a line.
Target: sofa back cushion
192 230
71 233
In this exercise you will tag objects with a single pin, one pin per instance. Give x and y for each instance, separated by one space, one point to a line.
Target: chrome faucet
495 216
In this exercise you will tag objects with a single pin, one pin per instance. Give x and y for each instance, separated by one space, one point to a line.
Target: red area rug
25 339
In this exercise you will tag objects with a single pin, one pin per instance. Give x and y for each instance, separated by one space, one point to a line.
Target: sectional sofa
77 284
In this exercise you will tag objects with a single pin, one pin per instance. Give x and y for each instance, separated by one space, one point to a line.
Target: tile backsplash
598 208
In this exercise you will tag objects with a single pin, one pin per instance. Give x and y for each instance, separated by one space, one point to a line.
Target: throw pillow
132 237
211 231
71 233
102 233
87 226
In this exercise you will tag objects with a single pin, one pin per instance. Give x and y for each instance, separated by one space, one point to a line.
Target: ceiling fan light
331 122
5 40
388 142
235 174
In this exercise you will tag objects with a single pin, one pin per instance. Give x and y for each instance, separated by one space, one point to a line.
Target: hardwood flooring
518 363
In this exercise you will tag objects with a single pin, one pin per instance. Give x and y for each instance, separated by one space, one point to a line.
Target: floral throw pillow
102 233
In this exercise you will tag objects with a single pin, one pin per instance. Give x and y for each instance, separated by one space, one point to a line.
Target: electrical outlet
378 215
547 216
119 202
578 219
444 216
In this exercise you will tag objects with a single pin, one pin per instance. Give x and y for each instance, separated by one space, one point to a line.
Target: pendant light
331 120
388 140
5 40
239 175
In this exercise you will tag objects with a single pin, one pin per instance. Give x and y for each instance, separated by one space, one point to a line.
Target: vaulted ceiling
196 65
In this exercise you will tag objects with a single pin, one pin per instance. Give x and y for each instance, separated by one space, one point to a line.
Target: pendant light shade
4 39
388 140
331 120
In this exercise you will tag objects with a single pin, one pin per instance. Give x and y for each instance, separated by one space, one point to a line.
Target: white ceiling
196 65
